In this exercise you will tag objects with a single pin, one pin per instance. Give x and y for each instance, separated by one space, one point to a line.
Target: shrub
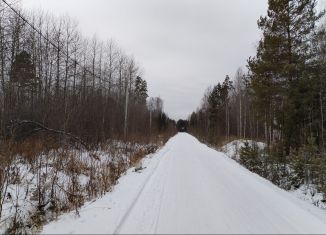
251 159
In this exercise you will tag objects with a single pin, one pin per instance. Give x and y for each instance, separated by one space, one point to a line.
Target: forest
279 99
93 88
65 100
76 116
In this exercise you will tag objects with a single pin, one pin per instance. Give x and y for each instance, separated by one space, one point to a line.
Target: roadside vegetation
280 100
74 116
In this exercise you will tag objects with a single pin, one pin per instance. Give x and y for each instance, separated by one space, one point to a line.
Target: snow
19 201
22 204
189 188
309 193
232 149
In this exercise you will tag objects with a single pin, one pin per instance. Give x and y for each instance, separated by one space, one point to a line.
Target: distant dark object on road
182 125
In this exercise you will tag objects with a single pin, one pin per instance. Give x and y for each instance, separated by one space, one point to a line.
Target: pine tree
225 93
141 90
213 105
280 65
23 77
250 158
23 70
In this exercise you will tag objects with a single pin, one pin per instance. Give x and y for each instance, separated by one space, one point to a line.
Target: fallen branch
40 127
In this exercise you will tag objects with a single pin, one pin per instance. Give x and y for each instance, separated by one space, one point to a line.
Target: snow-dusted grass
62 180
107 213
308 193
189 188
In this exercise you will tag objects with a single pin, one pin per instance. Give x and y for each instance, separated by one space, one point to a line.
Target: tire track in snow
190 188
134 202
161 197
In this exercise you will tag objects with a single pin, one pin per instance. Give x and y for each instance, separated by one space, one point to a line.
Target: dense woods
75 112
53 75
280 100
74 116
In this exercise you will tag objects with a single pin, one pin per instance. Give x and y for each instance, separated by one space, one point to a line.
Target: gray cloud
184 46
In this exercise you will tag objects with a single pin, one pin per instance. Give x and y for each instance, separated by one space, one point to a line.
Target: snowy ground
308 193
232 149
66 171
189 188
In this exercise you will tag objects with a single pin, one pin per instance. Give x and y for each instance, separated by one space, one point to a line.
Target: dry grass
58 171
136 157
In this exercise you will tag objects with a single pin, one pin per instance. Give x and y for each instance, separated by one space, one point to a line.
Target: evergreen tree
23 70
279 67
23 76
141 90
250 158
225 95
213 105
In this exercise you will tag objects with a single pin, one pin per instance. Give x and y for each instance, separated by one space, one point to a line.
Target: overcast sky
183 46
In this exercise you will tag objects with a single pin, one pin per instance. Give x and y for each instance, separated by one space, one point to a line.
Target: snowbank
308 193
232 149
189 188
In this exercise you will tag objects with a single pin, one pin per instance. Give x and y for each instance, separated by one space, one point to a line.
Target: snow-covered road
190 188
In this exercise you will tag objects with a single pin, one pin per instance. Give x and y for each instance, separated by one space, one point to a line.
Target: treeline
227 112
74 116
51 75
280 100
